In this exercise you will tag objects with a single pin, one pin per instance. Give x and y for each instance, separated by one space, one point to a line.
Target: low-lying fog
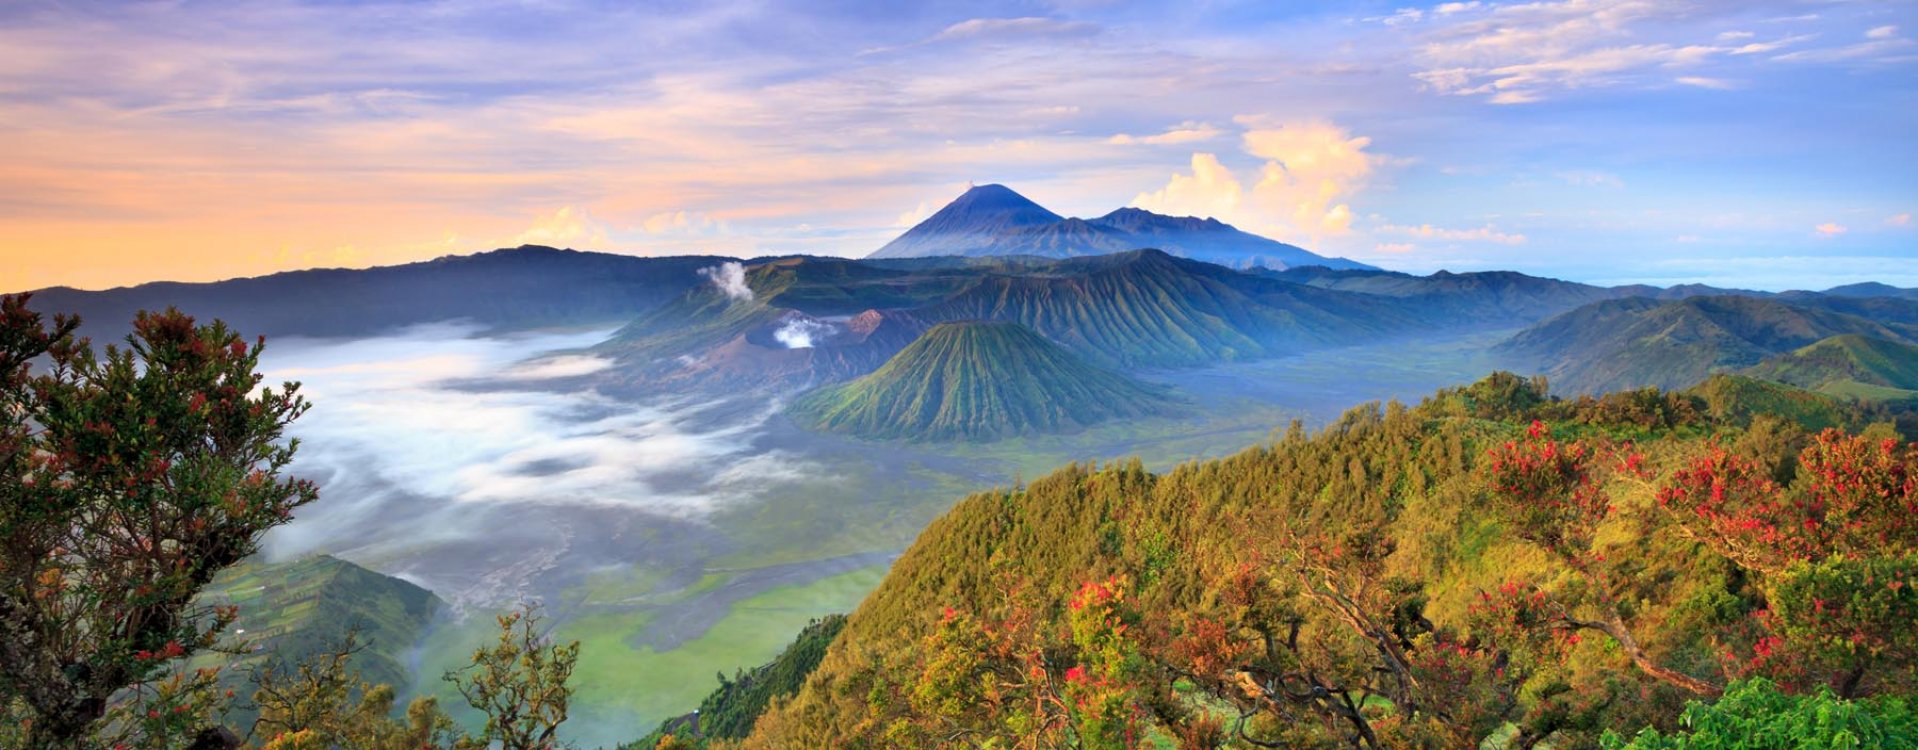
448 458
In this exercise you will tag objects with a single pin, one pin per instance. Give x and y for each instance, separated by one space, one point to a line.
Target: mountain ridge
993 219
1634 342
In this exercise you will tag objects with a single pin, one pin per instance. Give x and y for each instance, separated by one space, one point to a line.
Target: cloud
481 493
565 227
730 279
1703 82
683 223
1528 52
1028 26
1308 172
1888 49
1211 190
913 217
562 366
1898 220
1395 247
1882 32
800 333
1185 132
1487 233
1590 178
1403 17
1830 229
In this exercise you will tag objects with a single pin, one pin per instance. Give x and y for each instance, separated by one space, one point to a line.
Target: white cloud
562 366
1527 52
1309 172
801 333
1029 26
1395 247
1487 233
416 469
681 222
913 217
1899 220
1830 229
1703 82
566 226
1882 32
1446 9
1185 132
1598 179
730 279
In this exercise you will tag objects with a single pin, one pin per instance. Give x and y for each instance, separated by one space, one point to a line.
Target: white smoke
800 333
730 278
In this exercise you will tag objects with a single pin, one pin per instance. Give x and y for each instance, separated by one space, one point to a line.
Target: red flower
1076 675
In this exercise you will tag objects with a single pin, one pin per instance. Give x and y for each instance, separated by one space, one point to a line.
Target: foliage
1756 715
321 702
519 683
132 478
1430 576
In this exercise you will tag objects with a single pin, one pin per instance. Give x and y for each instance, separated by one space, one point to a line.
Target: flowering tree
1836 550
130 478
1553 494
1833 554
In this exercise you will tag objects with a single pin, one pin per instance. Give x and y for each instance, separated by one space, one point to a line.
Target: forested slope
1423 576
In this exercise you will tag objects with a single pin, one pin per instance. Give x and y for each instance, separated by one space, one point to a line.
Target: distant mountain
1147 308
515 289
1850 366
813 321
1478 297
1636 342
790 324
992 220
1871 289
978 380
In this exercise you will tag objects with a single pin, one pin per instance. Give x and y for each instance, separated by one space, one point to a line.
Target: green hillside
1151 606
1636 342
1850 366
978 380
729 712
292 609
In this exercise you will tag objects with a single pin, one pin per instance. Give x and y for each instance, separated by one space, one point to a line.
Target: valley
681 537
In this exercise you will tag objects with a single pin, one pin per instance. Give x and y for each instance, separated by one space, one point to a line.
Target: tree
1755 714
519 683
130 479
1553 494
322 702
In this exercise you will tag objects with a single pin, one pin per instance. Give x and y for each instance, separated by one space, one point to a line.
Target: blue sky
1763 144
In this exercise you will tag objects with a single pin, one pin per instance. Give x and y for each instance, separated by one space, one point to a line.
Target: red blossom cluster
1549 490
1854 495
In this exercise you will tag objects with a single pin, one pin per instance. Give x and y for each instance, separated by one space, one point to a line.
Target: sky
1747 143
